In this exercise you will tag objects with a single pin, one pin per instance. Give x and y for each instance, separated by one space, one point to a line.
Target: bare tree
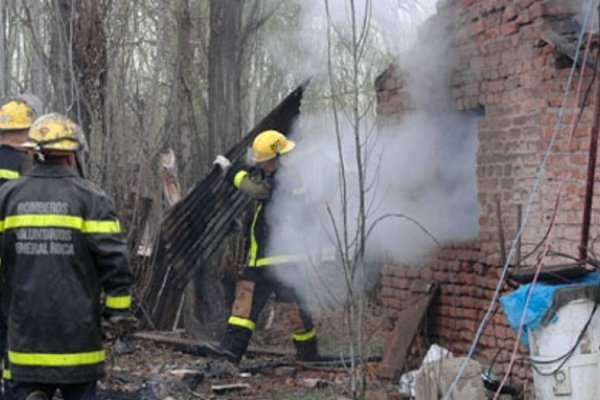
180 132
233 25
5 59
37 63
224 73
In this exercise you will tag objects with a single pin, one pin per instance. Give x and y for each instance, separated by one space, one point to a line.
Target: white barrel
578 378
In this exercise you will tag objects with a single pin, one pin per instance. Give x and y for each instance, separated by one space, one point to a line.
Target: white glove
223 162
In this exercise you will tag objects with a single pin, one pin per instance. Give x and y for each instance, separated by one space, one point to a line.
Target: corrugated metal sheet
194 228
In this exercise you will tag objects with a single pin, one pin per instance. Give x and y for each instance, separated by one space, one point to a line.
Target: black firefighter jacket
13 163
60 248
256 184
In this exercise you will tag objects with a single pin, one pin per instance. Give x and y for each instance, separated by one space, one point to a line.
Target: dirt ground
156 371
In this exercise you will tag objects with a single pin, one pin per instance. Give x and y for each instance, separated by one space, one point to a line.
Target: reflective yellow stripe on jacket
9 174
261 262
118 302
56 360
253 243
264 261
59 221
239 177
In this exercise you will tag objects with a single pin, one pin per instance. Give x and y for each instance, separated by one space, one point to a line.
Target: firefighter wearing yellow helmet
270 144
61 249
54 134
16 116
259 279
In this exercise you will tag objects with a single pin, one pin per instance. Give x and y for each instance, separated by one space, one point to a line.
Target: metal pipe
519 221
500 229
589 187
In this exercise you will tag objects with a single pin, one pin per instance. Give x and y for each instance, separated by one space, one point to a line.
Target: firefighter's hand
223 162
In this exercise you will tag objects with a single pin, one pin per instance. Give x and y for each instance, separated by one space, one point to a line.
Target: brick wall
504 66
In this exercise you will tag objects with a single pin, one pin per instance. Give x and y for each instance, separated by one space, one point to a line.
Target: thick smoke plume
420 181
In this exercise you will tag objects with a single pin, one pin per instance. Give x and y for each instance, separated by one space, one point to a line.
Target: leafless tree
350 77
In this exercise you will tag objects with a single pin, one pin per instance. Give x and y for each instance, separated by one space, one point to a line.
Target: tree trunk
37 72
79 70
4 63
224 74
208 308
58 59
180 134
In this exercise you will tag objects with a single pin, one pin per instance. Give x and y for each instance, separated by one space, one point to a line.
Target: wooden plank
200 347
561 273
406 328
563 46
232 387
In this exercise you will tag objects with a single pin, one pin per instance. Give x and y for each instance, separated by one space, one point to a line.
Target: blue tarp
539 304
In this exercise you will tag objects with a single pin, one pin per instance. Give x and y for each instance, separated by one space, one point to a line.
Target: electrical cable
491 382
560 193
581 109
526 216
566 356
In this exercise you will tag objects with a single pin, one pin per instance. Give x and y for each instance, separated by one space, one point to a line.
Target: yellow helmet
54 133
16 115
269 144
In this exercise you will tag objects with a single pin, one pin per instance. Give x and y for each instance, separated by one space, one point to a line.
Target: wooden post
589 187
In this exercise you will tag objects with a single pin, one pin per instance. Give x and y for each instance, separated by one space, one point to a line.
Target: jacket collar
9 147
50 170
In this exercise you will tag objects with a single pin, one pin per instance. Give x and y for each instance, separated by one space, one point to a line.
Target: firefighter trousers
252 293
70 391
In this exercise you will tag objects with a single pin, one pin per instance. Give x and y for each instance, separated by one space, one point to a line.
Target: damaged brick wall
506 67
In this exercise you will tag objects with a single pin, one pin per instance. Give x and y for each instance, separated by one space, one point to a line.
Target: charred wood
195 227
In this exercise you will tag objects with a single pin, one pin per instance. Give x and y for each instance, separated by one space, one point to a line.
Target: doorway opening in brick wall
457 175
430 175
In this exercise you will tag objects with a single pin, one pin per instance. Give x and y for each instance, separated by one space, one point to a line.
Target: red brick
426 273
510 13
524 17
556 8
582 132
516 82
382 96
526 3
477 28
392 303
510 28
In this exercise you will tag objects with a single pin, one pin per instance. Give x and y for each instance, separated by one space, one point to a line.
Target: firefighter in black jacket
259 279
16 116
61 249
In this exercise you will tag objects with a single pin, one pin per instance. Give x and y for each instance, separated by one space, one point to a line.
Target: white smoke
301 51
420 174
583 7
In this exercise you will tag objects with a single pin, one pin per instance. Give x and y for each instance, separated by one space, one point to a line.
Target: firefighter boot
307 350
218 352
233 345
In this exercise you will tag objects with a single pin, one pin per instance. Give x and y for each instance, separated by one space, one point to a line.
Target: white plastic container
578 378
